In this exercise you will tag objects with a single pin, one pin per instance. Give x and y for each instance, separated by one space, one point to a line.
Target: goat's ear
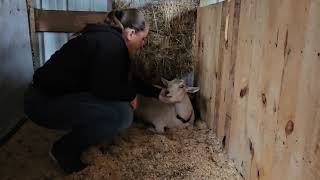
192 89
157 86
164 81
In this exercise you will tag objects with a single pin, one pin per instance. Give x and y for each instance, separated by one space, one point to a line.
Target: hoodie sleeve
144 88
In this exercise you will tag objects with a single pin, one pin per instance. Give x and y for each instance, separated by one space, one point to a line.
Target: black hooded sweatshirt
98 62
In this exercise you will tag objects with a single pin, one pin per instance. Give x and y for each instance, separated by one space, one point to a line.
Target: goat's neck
184 108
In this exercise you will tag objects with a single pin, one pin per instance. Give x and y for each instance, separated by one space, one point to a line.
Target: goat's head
176 89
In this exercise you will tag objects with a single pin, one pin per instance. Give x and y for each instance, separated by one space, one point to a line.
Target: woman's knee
119 116
125 115
110 123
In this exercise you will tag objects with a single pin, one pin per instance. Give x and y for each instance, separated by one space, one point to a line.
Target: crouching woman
85 87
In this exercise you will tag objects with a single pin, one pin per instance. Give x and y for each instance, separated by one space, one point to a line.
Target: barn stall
255 62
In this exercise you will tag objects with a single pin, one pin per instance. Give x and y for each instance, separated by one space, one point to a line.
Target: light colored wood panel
239 143
309 114
208 40
258 88
274 104
229 47
219 70
209 2
32 30
300 96
292 33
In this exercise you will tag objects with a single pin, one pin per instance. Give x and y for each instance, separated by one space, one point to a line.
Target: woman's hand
134 103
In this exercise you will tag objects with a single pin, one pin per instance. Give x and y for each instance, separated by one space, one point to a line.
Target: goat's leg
158 128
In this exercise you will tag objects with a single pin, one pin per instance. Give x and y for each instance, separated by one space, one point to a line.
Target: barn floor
192 153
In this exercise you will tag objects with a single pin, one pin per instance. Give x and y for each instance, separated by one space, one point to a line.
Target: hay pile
192 153
168 49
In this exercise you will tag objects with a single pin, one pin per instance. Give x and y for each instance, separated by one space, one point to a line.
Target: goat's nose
166 92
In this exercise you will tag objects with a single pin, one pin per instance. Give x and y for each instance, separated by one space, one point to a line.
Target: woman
85 87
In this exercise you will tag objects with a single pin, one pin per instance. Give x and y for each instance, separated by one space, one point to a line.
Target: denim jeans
90 120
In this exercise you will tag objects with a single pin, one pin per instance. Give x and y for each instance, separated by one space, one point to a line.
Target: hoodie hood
100 28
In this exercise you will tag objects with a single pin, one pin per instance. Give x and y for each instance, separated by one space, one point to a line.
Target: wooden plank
265 84
197 55
274 105
308 115
228 47
209 2
32 32
65 21
208 42
272 62
218 70
240 145
295 154
273 59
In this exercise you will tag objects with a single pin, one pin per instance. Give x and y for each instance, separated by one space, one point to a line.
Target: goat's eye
181 86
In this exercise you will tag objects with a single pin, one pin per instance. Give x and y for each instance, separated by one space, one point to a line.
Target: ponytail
126 18
114 19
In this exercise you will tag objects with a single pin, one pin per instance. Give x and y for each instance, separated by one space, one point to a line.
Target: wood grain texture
32 32
228 51
65 21
265 99
208 45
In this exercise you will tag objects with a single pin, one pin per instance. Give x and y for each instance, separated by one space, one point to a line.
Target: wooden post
208 41
110 5
228 53
32 33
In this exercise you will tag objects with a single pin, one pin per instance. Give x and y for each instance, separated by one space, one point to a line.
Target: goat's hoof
201 125
152 130
156 130
190 127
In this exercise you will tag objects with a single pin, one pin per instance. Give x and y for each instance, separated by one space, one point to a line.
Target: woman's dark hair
126 18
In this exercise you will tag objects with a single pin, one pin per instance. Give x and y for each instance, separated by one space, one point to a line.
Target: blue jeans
89 119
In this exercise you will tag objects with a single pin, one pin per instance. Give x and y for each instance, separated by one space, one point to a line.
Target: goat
162 115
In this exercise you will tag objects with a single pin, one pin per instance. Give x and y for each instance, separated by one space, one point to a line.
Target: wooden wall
259 74
209 21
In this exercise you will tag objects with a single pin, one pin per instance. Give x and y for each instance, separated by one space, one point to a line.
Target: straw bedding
168 49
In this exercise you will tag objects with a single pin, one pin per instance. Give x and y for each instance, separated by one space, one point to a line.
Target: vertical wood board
262 90
208 45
